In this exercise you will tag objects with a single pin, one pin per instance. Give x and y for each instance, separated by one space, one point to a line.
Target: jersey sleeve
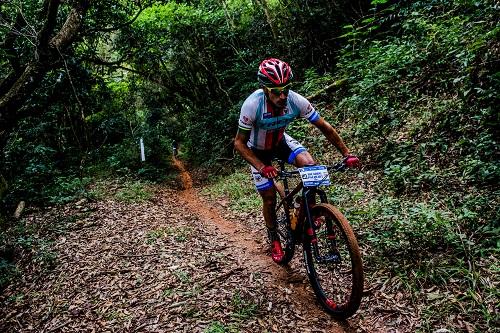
247 115
306 109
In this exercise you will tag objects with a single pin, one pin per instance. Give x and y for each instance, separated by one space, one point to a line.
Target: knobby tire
336 271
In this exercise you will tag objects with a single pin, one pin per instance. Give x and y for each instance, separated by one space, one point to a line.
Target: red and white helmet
274 73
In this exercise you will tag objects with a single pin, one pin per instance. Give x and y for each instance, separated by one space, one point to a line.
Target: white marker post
143 156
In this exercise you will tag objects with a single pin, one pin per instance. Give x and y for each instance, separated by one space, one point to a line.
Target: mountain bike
331 252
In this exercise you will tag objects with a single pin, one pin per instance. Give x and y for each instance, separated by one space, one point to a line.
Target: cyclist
261 136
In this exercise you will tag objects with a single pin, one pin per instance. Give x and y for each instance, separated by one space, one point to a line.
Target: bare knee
304 158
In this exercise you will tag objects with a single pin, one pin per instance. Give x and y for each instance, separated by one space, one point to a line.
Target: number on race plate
314 175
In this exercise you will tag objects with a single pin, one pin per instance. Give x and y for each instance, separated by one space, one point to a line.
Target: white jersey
267 129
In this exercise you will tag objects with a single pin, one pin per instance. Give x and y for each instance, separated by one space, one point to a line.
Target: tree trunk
20 84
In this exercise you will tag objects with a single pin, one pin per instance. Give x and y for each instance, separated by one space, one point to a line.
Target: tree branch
10 101
146 76
123 25
335 84
98 61
70 28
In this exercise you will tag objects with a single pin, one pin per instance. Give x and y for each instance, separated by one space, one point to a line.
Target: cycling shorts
287 149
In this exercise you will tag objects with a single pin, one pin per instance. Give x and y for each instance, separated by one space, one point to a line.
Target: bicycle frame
308 194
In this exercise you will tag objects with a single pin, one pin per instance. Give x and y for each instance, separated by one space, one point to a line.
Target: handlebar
337 167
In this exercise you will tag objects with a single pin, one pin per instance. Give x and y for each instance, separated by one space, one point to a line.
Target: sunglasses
278 90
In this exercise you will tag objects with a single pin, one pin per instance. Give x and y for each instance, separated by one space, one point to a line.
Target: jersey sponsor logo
246 121
267 115
275 122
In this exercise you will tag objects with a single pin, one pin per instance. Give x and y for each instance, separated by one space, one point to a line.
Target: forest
411 86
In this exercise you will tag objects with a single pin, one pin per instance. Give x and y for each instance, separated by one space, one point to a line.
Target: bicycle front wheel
333 262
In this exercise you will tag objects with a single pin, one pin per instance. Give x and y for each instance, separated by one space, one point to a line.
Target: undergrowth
444 252
238 188
419 110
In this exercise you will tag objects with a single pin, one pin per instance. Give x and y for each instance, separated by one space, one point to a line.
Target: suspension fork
308 196
308 200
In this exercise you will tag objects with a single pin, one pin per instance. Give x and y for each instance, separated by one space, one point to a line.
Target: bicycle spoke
285 235
334 263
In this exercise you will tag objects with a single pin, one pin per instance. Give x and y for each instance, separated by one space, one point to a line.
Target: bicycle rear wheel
333 262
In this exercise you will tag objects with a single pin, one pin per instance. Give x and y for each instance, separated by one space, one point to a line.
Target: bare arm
331 135
240 144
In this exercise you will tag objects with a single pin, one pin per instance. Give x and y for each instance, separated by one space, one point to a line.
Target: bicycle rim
333 262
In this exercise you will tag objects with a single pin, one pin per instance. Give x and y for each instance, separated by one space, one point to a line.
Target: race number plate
314 175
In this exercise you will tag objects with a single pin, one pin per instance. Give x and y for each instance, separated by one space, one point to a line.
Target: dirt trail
243 240
174 263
